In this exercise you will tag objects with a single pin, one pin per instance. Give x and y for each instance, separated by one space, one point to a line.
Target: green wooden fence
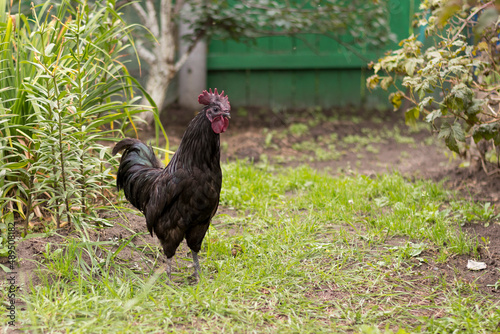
288 72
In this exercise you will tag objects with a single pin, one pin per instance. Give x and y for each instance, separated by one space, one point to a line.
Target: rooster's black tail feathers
134 145
138 169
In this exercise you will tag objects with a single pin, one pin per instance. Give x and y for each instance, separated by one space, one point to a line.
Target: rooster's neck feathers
199 146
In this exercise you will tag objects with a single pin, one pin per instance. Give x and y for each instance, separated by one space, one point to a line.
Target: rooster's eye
215 109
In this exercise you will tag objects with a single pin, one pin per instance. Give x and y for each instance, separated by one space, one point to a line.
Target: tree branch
165 17
151 22
348 47
468 19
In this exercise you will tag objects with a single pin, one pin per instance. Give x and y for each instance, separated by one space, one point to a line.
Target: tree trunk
160 56
161 73
156 86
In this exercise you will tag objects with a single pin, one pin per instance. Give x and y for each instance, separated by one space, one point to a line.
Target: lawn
291 250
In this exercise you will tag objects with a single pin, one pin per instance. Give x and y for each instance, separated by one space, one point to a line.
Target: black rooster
179 200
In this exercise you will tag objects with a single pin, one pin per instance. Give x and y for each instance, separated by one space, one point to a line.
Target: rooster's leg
197 268
169 268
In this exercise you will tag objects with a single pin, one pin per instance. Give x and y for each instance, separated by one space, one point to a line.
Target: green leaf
459 97
48 49
427 102
496 139
445 130
472 109
5 268
9 218
410 66
447 12
444 109
487 131
372 81
452 133
411 116
396 100
16 165
451 143
458 132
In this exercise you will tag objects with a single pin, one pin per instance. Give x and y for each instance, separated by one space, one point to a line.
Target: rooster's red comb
207 98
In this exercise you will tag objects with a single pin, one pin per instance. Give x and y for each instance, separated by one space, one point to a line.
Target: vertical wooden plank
236 48
232 82
281 89
350 86
305 89
216 79
401 15
316 88
327 45
259 92
217 47
329 88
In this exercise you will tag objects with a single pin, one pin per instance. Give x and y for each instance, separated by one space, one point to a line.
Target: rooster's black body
179 200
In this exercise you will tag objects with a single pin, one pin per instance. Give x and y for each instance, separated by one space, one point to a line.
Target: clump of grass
298 129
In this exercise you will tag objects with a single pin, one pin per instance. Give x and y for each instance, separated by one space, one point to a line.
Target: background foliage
357 25
454 82
366 22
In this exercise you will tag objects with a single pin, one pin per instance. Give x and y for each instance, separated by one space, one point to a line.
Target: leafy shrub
64 90
453 84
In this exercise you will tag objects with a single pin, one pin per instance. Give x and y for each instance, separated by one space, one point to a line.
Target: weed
372 149
298 129
356 139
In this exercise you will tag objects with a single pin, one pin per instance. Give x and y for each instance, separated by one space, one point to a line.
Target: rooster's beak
226 114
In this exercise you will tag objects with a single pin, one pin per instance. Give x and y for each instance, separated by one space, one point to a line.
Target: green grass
316 254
